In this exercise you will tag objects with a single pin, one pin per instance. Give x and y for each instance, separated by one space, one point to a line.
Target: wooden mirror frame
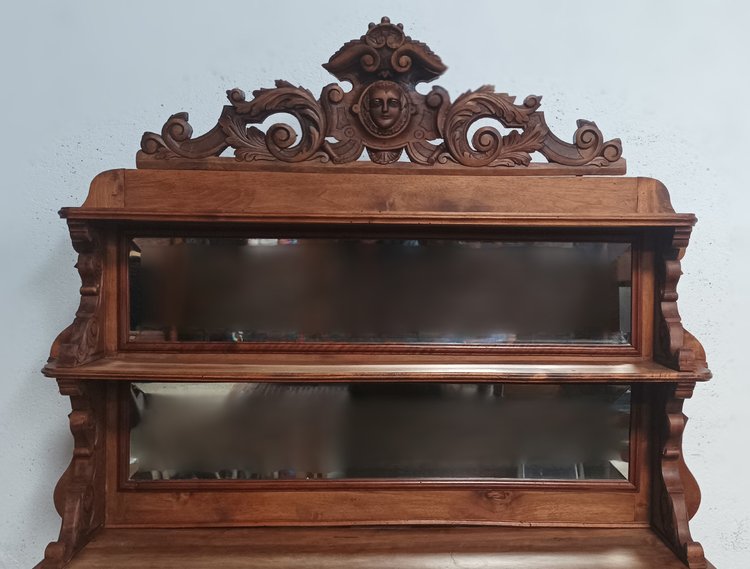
641 311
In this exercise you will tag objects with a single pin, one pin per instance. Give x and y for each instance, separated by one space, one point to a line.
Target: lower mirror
268 431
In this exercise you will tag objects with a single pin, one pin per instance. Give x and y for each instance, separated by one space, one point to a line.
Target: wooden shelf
295 367
463 219
377 548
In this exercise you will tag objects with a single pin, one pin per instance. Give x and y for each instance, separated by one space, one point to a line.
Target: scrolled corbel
83 341
676 496
79 494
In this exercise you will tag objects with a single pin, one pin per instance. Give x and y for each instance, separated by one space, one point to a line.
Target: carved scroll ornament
677 497
675 346
385 115
82 341
79 495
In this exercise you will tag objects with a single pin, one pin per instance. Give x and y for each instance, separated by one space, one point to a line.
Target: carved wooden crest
385 115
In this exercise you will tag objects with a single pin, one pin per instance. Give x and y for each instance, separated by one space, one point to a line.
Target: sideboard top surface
413 548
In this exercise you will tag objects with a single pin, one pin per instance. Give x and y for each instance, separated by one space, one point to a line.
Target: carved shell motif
385 115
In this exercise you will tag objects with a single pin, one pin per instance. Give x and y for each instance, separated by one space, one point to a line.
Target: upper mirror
423 291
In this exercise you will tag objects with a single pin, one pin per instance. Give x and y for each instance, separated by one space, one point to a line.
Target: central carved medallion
383 108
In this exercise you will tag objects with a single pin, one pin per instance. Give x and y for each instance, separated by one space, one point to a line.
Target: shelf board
441 219
377 548
295 367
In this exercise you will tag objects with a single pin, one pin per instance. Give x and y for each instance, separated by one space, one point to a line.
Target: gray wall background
82 80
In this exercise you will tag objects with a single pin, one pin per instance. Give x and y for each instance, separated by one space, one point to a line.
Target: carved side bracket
675 347
385 115
82 341
676 495
79 495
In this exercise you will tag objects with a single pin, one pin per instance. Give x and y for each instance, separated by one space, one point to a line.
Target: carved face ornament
384 105
384 108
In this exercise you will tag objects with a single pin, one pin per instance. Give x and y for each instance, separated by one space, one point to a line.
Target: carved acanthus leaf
82 341
279 140
488 146
384 114
589 147
176 140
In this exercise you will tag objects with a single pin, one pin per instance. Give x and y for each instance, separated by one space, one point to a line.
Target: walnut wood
147 161
385 115
640 347
675 348
454 188
82 341
676 496
79 495
519 503
358 222
406 548
367 506
279 367
393 197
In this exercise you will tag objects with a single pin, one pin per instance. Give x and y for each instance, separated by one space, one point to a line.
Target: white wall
82 80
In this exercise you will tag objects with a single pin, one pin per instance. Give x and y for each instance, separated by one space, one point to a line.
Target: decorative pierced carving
79 495
673 349
677 497
384 114
82 340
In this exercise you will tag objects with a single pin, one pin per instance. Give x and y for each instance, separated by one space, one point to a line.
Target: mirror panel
357 431
416 291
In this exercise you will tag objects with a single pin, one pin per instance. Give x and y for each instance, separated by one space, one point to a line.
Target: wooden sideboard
295 357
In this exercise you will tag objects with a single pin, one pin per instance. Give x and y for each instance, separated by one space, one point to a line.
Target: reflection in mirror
269 431
379 291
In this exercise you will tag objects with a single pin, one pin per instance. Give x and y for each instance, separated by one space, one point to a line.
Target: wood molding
676 494
378 548
384 115
79 495
83 341
452 368
675 347
227 164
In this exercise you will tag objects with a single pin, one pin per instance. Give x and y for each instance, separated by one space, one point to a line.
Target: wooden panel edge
107 190
225 163
676 495
653 197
